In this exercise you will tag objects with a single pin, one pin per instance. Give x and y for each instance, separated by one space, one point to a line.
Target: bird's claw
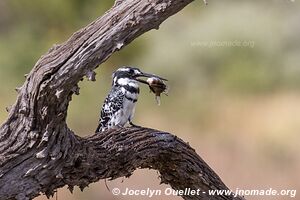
134 125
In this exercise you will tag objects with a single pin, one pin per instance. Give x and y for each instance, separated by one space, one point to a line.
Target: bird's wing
112 103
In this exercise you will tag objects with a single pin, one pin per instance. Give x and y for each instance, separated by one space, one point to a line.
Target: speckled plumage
119 105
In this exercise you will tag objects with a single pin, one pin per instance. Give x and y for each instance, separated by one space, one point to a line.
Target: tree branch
39 153
118 153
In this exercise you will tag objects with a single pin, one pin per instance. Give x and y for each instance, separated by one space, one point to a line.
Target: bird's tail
98 128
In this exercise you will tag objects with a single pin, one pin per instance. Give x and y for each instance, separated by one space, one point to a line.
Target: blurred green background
234 77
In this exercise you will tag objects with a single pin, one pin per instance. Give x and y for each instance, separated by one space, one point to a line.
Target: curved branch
118 153
39 153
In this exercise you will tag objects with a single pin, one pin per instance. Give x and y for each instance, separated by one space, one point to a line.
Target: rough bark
39 153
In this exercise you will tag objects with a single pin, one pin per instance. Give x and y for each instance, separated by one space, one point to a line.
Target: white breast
125 114
129 108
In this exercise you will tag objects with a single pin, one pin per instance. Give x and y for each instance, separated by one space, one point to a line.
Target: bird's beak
143 74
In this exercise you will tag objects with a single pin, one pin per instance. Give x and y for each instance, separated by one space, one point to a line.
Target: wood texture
39 153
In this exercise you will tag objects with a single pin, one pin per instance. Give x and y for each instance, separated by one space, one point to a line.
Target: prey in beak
155 83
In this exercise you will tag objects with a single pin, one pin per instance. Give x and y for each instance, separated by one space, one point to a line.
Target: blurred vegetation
236 102
29 28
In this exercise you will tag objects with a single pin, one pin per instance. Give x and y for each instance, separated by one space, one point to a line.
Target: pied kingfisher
119 105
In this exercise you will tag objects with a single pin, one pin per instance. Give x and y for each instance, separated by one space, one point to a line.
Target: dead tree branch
39 153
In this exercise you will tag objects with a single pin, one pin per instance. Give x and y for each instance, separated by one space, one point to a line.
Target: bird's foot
134 125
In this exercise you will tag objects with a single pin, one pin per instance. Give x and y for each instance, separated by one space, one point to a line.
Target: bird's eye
131 71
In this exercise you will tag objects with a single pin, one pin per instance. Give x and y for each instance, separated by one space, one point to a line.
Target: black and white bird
119 105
